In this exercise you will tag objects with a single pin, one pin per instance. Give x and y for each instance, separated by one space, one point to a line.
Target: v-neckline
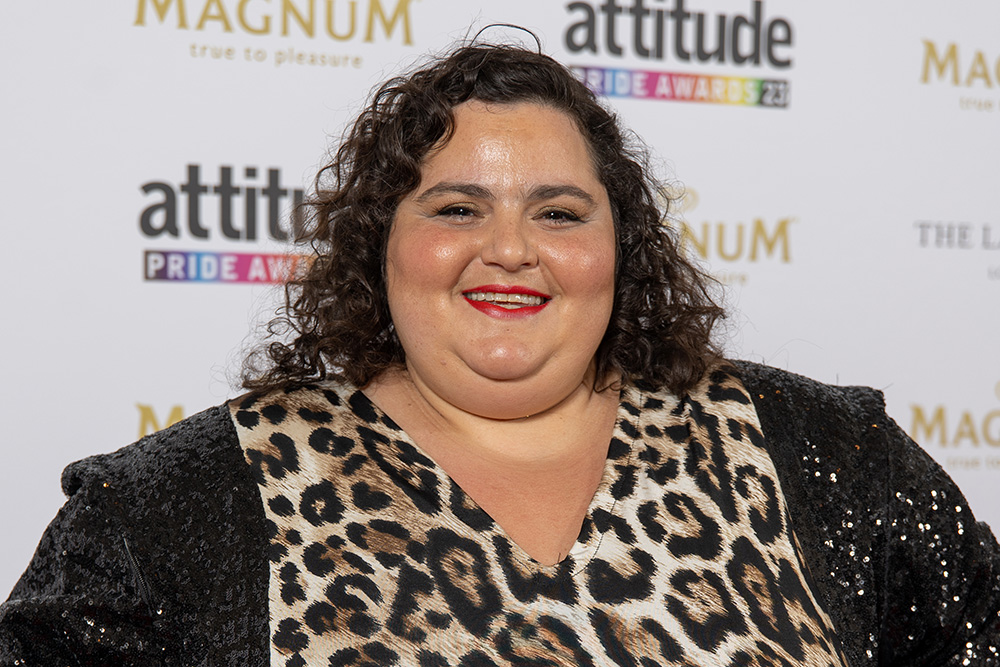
620 456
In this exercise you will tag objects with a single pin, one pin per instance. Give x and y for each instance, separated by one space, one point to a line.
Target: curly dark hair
336 314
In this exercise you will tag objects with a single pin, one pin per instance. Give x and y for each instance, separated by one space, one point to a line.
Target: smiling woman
498 433
510 208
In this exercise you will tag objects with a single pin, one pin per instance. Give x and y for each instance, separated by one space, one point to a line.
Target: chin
512 396
507 367
505 410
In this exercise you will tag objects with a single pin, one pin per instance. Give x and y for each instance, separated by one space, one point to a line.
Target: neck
514 443
535 475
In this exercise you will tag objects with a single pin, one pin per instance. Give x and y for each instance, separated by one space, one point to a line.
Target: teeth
506 300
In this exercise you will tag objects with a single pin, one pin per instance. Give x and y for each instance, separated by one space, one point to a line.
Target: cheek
588 267
422 261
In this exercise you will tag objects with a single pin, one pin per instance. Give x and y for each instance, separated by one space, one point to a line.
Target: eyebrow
451 187
537 193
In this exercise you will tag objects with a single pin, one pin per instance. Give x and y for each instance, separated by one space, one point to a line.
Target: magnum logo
740 241
955 428
332 19
968 68
149 423
730 242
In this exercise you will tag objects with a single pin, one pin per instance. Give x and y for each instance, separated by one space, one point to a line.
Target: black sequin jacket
159 555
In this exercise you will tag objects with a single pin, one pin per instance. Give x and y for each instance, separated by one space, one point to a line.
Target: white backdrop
854 219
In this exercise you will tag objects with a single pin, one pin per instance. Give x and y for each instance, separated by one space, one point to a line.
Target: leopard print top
686 556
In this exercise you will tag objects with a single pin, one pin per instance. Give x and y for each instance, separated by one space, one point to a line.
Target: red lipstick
494 310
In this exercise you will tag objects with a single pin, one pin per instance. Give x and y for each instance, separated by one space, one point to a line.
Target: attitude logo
334 22
971 72
657 32
245 212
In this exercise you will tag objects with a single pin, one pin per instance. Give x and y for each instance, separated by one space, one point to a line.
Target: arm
875 517
941 567
82 600
157 558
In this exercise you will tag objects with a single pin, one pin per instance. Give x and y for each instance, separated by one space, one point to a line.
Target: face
500 265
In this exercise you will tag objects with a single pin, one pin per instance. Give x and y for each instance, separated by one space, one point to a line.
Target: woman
499 434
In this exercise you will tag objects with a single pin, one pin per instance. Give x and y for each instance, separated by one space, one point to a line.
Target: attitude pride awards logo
326 22
662 32
227 209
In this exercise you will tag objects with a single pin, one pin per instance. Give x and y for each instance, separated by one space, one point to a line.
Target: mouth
506 298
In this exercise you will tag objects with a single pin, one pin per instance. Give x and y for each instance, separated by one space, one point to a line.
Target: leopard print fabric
686 556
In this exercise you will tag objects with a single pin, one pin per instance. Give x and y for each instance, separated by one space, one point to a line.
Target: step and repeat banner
835 167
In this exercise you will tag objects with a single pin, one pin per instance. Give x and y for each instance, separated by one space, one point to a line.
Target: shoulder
180 497
270 425
202 441
877 517
777 391
847 423
163 540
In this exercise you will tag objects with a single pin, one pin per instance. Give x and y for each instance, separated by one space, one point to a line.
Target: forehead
537 140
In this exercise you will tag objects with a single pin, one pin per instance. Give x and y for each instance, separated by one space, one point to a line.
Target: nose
509 242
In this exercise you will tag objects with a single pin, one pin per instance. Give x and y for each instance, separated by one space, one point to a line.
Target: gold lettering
921 424
161 7
241 15
308 26
931 56
760 237
148 423
402 13
219 15
979 71
329 21
988 433
700 245
966 430
720 242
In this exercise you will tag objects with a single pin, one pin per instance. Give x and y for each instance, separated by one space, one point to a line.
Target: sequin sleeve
157 558
942 568
904 570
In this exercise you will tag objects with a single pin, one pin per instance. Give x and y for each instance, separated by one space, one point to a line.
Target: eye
456 211
559 216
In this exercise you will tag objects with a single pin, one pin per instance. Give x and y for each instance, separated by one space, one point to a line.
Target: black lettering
193 189
745 38
274 192
639 13
680 15
611 10
720 40
741 22
161 217
225 189
587 25
250 207
782 39
660 21
168 208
